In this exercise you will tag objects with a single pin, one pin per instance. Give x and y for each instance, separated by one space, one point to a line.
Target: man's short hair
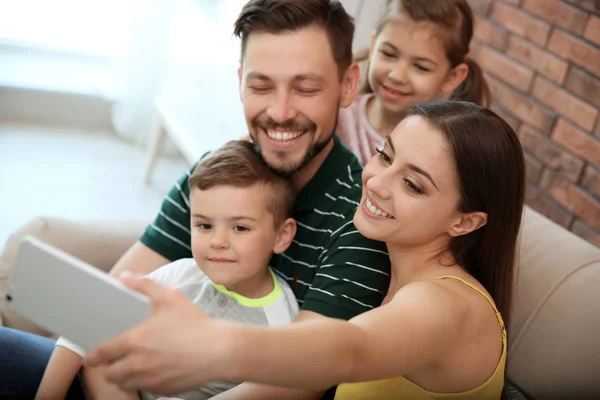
237 164
280 16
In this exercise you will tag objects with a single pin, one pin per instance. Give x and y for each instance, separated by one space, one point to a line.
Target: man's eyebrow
257 75
421 172
309 77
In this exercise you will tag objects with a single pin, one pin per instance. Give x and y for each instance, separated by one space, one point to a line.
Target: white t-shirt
277 308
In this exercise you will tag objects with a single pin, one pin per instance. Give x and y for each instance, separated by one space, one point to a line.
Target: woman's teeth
376 211
283 135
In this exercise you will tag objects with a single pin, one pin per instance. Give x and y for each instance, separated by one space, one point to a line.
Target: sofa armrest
554 351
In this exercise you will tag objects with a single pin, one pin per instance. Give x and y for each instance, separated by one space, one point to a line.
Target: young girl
418 53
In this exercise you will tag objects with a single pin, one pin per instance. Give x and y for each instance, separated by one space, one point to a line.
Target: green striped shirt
332 269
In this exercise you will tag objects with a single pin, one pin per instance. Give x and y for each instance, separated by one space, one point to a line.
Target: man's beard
312 152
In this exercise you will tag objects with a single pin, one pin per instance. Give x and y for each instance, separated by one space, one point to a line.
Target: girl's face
408 64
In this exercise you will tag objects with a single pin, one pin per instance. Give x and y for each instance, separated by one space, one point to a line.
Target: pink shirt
355 130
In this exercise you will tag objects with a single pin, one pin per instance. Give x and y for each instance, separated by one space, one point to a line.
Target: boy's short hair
237 164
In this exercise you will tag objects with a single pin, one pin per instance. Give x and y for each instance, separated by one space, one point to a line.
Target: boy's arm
252 391
59 374
63 367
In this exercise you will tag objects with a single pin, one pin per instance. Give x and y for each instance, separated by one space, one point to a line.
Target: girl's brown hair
456 18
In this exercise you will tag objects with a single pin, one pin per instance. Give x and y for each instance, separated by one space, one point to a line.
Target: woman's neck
413 263
382 121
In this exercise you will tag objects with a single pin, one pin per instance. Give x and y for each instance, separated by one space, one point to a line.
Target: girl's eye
412 187
387 54
239 228
422 68
384 157
204 226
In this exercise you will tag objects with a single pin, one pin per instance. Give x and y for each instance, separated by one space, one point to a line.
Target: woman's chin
367 228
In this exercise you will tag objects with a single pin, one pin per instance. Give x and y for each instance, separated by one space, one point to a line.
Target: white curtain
179 50
139 66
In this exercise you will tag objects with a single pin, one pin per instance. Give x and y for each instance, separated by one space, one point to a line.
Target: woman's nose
380 185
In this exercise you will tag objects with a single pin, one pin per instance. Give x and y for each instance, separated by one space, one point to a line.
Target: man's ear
455 77
285 235
467 223
350 85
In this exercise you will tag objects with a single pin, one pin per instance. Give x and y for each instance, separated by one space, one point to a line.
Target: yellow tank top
402 388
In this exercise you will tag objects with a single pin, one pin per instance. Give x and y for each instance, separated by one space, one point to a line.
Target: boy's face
233 235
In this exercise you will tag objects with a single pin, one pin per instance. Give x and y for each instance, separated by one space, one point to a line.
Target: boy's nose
219 240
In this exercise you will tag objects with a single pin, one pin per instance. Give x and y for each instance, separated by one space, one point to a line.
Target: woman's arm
416 328
179 348
251 391
97 388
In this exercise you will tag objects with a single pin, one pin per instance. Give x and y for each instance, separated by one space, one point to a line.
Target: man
296 72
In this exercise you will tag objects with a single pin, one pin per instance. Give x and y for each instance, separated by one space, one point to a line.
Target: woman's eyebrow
421 171
389 141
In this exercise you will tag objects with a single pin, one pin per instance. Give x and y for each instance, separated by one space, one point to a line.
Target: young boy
239 216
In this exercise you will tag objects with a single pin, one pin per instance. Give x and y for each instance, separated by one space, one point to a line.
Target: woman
446 195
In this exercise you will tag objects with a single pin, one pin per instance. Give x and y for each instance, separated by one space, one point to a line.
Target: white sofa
554 332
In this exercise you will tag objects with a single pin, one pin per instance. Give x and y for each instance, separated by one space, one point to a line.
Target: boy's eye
240 228
384 157
387 54
204 226
422 68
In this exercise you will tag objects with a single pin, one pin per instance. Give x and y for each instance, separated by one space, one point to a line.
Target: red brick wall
542 61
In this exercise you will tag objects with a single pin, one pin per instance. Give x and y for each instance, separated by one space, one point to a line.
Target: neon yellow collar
267 300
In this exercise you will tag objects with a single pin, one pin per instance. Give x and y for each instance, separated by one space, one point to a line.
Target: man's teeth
283 136
375 210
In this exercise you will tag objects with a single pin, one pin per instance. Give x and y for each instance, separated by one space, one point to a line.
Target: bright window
94 27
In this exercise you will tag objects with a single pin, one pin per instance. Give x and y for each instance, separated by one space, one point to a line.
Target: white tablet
69 297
